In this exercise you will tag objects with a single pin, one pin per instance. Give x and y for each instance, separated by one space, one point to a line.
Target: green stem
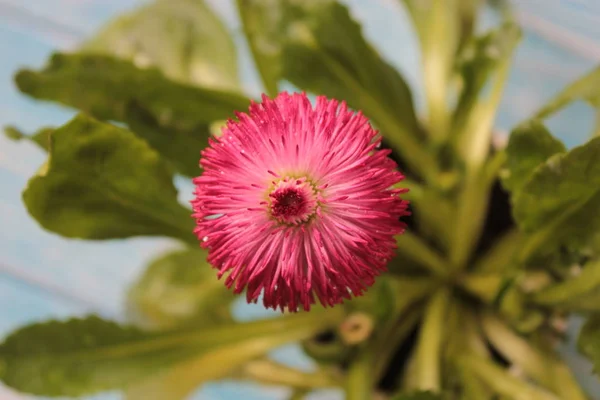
416 249
359 382
429 347
588 280
391 336
471 208
503 383
475 140
498 259
271 372
536 364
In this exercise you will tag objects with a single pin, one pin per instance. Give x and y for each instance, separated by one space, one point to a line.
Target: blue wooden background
44 276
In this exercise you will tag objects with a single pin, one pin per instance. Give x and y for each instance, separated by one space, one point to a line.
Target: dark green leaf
40 138
589 341
102 182
106 87
529 146
418 396
181 147
83 356
179 289
325 53
182 38
263 23
586 88
172 117
560 204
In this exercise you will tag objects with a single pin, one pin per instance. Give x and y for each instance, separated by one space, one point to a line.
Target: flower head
296 203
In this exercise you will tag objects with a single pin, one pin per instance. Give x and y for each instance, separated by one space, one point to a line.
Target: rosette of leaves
503 245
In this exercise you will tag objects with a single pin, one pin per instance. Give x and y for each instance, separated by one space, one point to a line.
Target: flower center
292 201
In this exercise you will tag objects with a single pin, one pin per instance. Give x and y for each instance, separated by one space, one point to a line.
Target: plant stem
503 383
470 216
271 372
543 368
393 333
588 280
429 347
416 249
499 257
359 382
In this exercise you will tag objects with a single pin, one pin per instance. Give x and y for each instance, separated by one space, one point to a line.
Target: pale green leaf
575 291
179 289
102 182
182 38
586 88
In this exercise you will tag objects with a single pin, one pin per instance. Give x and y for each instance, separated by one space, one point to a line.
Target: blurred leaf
570 291
418 396
468 11
172 117
586 88
325 53
263 22
589 341
102 182
179 289
182 38
560 204
41 137
83 356
476 64
529 146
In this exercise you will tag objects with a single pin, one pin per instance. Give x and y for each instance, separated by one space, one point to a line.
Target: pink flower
297 203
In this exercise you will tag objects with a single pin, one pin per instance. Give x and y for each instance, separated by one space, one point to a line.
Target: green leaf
586 88
84 356
573 291
325 53
102 182
112 85
418 396
560 204
179 146
530 145
589 341
182 38
263 23
173 118
179 289
476 64
41 138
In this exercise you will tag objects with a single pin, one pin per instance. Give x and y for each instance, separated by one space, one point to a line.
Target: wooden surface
44 276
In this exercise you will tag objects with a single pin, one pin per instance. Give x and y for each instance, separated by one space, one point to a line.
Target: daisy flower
296 203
